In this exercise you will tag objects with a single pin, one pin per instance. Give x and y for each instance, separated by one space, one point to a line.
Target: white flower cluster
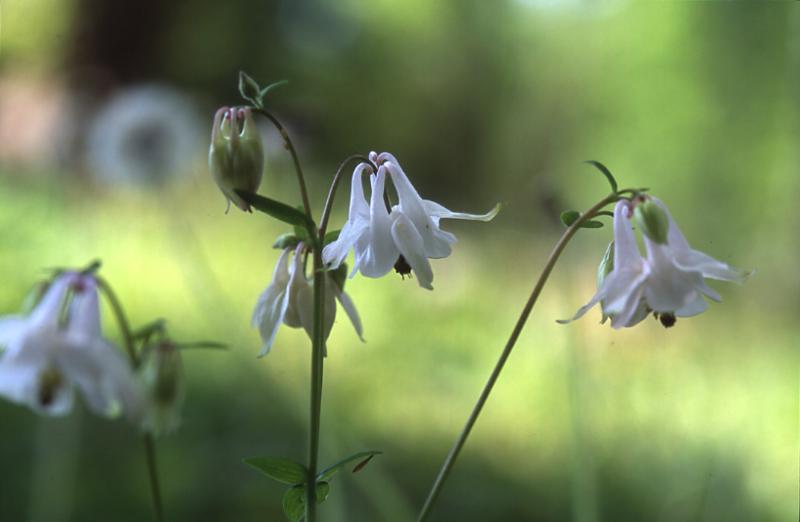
60 347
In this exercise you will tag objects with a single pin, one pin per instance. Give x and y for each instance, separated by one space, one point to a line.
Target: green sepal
607 173
301 232
285 241
283 470
568 217
249 89
294 500
652 220
276 209
363 456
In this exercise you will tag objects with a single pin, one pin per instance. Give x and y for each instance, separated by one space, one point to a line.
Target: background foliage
481 102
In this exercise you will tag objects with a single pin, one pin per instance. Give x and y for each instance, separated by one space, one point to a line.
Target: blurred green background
481 102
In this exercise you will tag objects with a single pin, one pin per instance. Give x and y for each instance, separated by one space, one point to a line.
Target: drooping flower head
161 374
289 299
404 237
60 347
236 155
669 281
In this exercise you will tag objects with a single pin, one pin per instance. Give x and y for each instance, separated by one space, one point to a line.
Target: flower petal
376 253
350 309
710 267
412 248
436 242
271 306
11 328
437 211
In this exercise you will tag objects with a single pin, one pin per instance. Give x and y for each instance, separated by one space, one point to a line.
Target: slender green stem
512 340
149 442
152 469
298 169
317 357
326 212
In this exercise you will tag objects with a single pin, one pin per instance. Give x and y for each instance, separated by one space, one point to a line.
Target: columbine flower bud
236 156
162 379
652 220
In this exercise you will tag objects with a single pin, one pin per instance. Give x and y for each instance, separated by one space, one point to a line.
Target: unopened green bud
652 220
236 155
162 379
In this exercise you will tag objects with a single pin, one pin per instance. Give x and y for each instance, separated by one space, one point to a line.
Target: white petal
669 288
295 294
710 267
411 246
49 308
11 328
626 253
271 306
352 313
377 253
84 317
436 242
596 298
334 253
694 307
437 211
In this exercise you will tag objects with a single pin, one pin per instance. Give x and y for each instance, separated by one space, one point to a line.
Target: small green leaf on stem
568 217
363 456
249 89
283 470
287 240
271 86
294 500
294 506
607 173
276 209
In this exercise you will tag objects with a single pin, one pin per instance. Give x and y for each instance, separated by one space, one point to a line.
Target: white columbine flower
669 281
46 358
404 238
289 300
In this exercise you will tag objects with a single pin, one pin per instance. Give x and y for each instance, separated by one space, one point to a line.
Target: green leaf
331 236
276 209
283 470
249 89
287 240
271 86
364 456
568 217
294 500
607 173
592 224
201 345
294 503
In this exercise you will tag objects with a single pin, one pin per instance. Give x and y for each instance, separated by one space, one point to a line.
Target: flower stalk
149 441
449 462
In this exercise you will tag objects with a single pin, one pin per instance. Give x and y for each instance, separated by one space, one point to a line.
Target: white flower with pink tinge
404 237
669 281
